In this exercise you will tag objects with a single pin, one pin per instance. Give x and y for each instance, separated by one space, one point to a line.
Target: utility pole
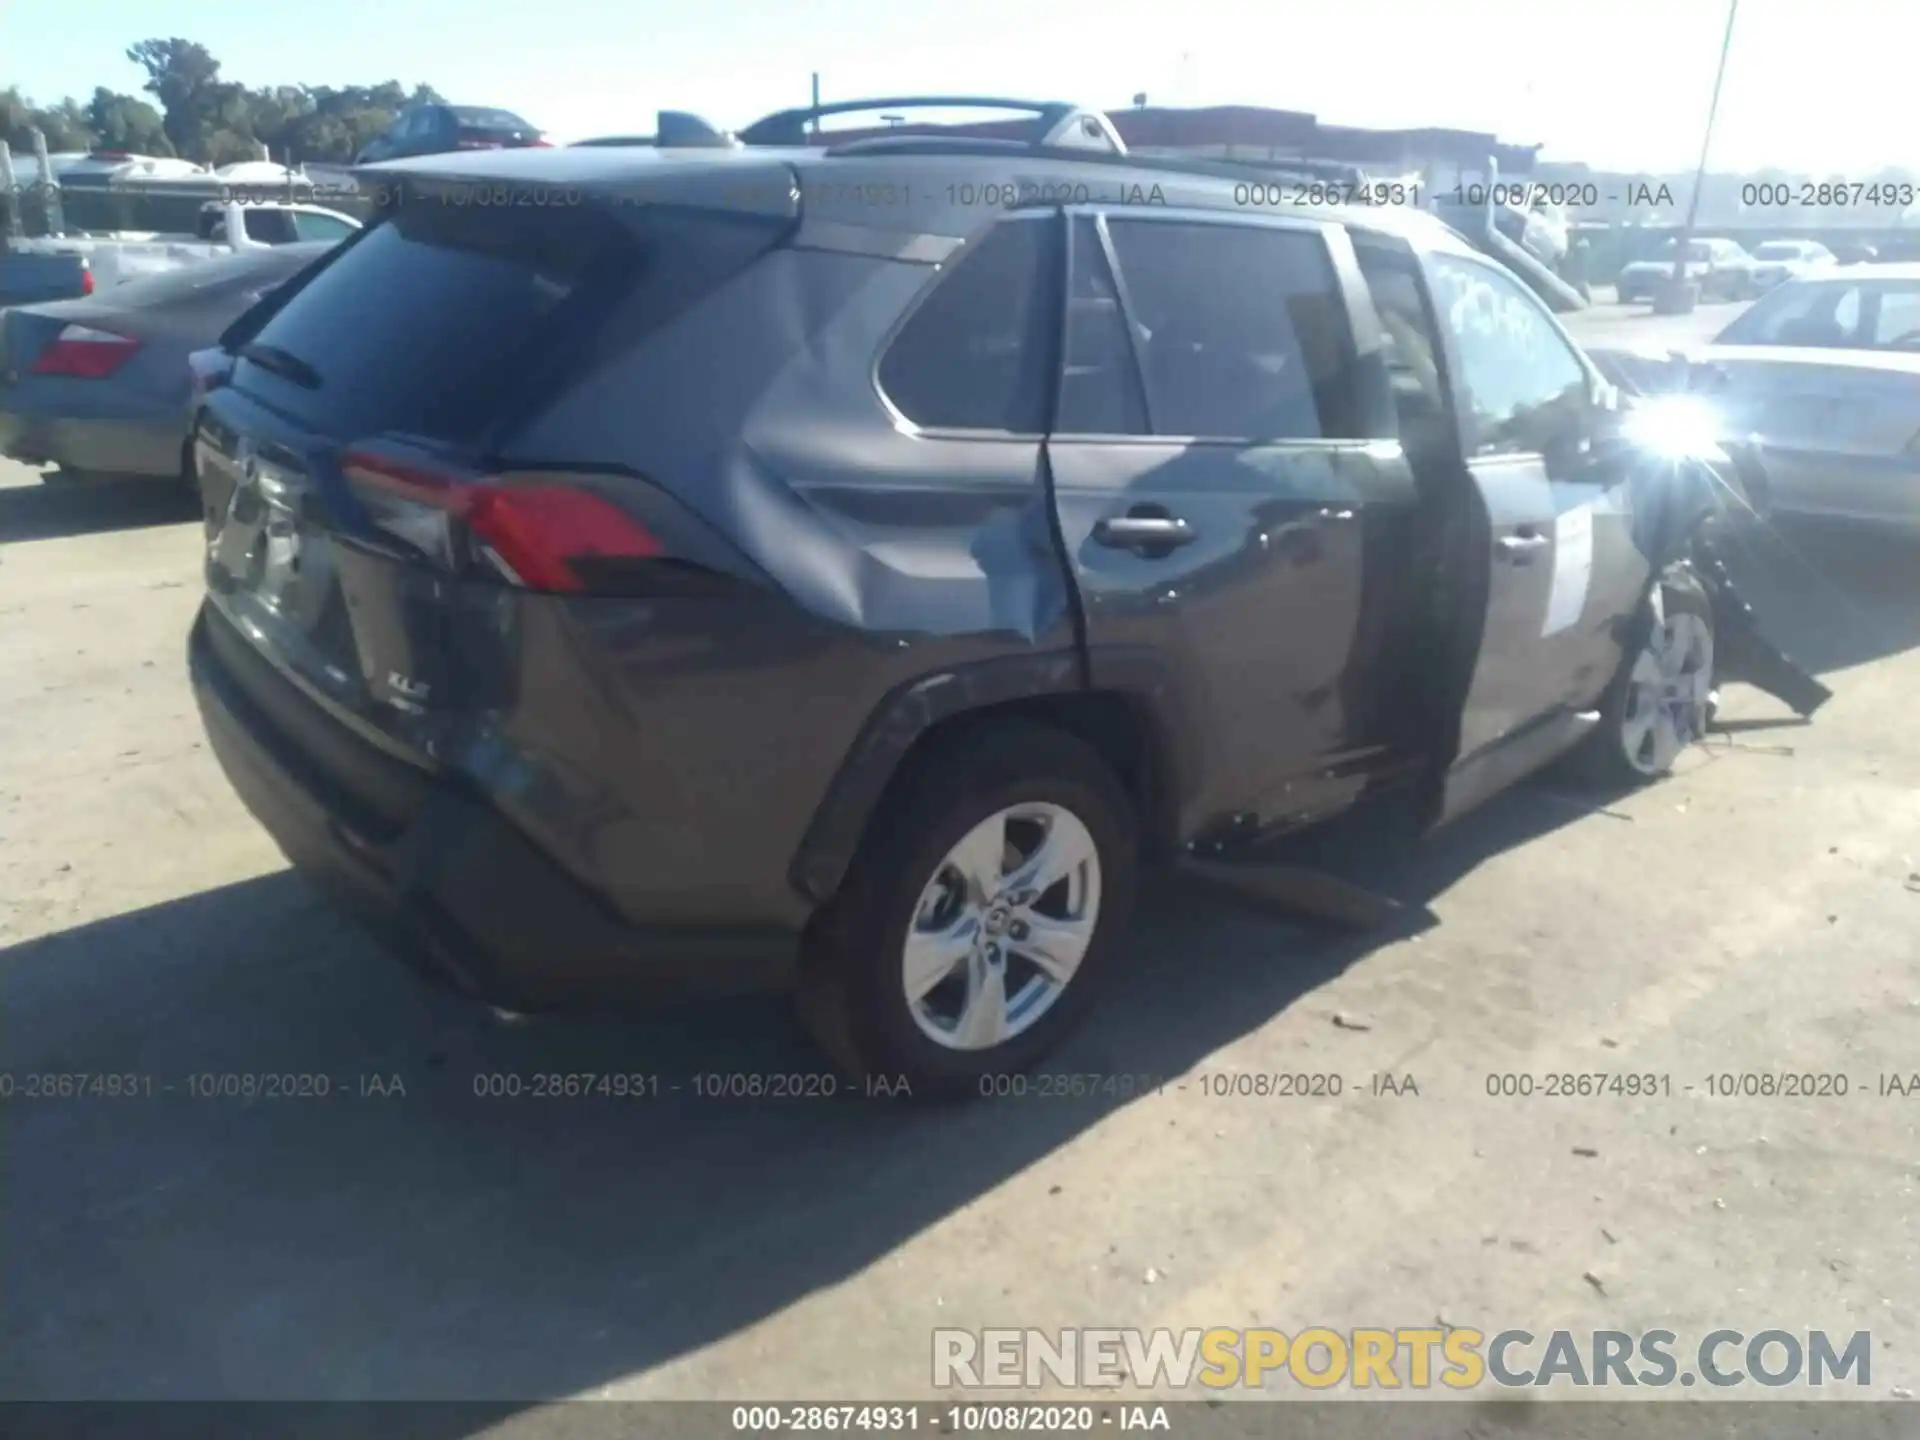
1679 298
813 125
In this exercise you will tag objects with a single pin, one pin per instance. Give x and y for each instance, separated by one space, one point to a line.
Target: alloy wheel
1669 691
1002 926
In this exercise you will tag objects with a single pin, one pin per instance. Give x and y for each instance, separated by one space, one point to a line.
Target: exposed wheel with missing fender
979 917
1663 697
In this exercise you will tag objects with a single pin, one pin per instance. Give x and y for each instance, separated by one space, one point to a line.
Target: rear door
1216 478
1562 562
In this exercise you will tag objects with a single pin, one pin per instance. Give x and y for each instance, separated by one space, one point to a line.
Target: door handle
1519 548
1144 533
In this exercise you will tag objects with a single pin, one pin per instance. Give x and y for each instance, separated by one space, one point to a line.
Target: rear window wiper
282 363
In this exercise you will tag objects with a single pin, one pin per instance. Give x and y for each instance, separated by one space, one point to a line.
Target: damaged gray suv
669 569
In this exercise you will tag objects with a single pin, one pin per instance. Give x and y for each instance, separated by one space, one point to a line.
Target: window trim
1072 221
1338 267
1466 418
940 271
1397 250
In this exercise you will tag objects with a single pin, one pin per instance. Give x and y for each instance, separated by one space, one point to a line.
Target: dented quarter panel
623 743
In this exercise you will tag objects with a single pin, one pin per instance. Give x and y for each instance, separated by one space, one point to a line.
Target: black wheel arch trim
915 707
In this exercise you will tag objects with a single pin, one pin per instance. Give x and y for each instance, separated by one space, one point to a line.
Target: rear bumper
121 447
458 891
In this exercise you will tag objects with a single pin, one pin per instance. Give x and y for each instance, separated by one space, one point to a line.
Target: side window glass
1100 388
319 227
1409 345
269 227
1244 328
1899 318
1526 388
975 354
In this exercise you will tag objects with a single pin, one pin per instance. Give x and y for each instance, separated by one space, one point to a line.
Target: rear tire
1060 877
1663 697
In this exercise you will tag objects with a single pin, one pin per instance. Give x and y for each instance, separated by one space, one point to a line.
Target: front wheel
979 916
1663 697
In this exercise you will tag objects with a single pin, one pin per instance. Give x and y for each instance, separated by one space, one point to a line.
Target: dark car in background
724 581
100 386
1721 269
436 129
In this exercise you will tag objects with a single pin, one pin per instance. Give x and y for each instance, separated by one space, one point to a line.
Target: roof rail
939 145
1055 125
1304 172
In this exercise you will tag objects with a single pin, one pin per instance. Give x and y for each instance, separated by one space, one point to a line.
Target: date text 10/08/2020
1720 1085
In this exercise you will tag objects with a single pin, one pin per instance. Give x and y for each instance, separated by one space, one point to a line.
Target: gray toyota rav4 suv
640 570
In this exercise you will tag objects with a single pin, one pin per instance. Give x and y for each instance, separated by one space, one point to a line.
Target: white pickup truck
116 257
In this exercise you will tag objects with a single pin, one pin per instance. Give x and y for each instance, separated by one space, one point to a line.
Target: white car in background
1824 373
1777 261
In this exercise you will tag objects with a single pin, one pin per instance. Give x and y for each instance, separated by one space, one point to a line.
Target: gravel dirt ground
1757 913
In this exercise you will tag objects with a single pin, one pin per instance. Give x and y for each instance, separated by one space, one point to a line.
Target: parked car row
60 267
724 583
1723 269
1822 378
100 385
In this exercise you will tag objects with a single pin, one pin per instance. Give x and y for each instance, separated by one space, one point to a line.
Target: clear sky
1821 85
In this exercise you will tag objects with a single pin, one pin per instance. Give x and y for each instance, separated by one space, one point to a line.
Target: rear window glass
478 118
427 323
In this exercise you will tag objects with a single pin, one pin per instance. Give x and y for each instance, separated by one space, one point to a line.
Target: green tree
126 122
64 124
185 78
203 117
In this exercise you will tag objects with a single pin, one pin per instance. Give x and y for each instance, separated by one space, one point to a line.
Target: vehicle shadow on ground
444 1243
441 1244
1830 597
66 508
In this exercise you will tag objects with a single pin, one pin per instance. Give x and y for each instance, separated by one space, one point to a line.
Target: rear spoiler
630 178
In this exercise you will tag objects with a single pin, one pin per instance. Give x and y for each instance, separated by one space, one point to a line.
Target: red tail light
86 278
85 354
532 534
